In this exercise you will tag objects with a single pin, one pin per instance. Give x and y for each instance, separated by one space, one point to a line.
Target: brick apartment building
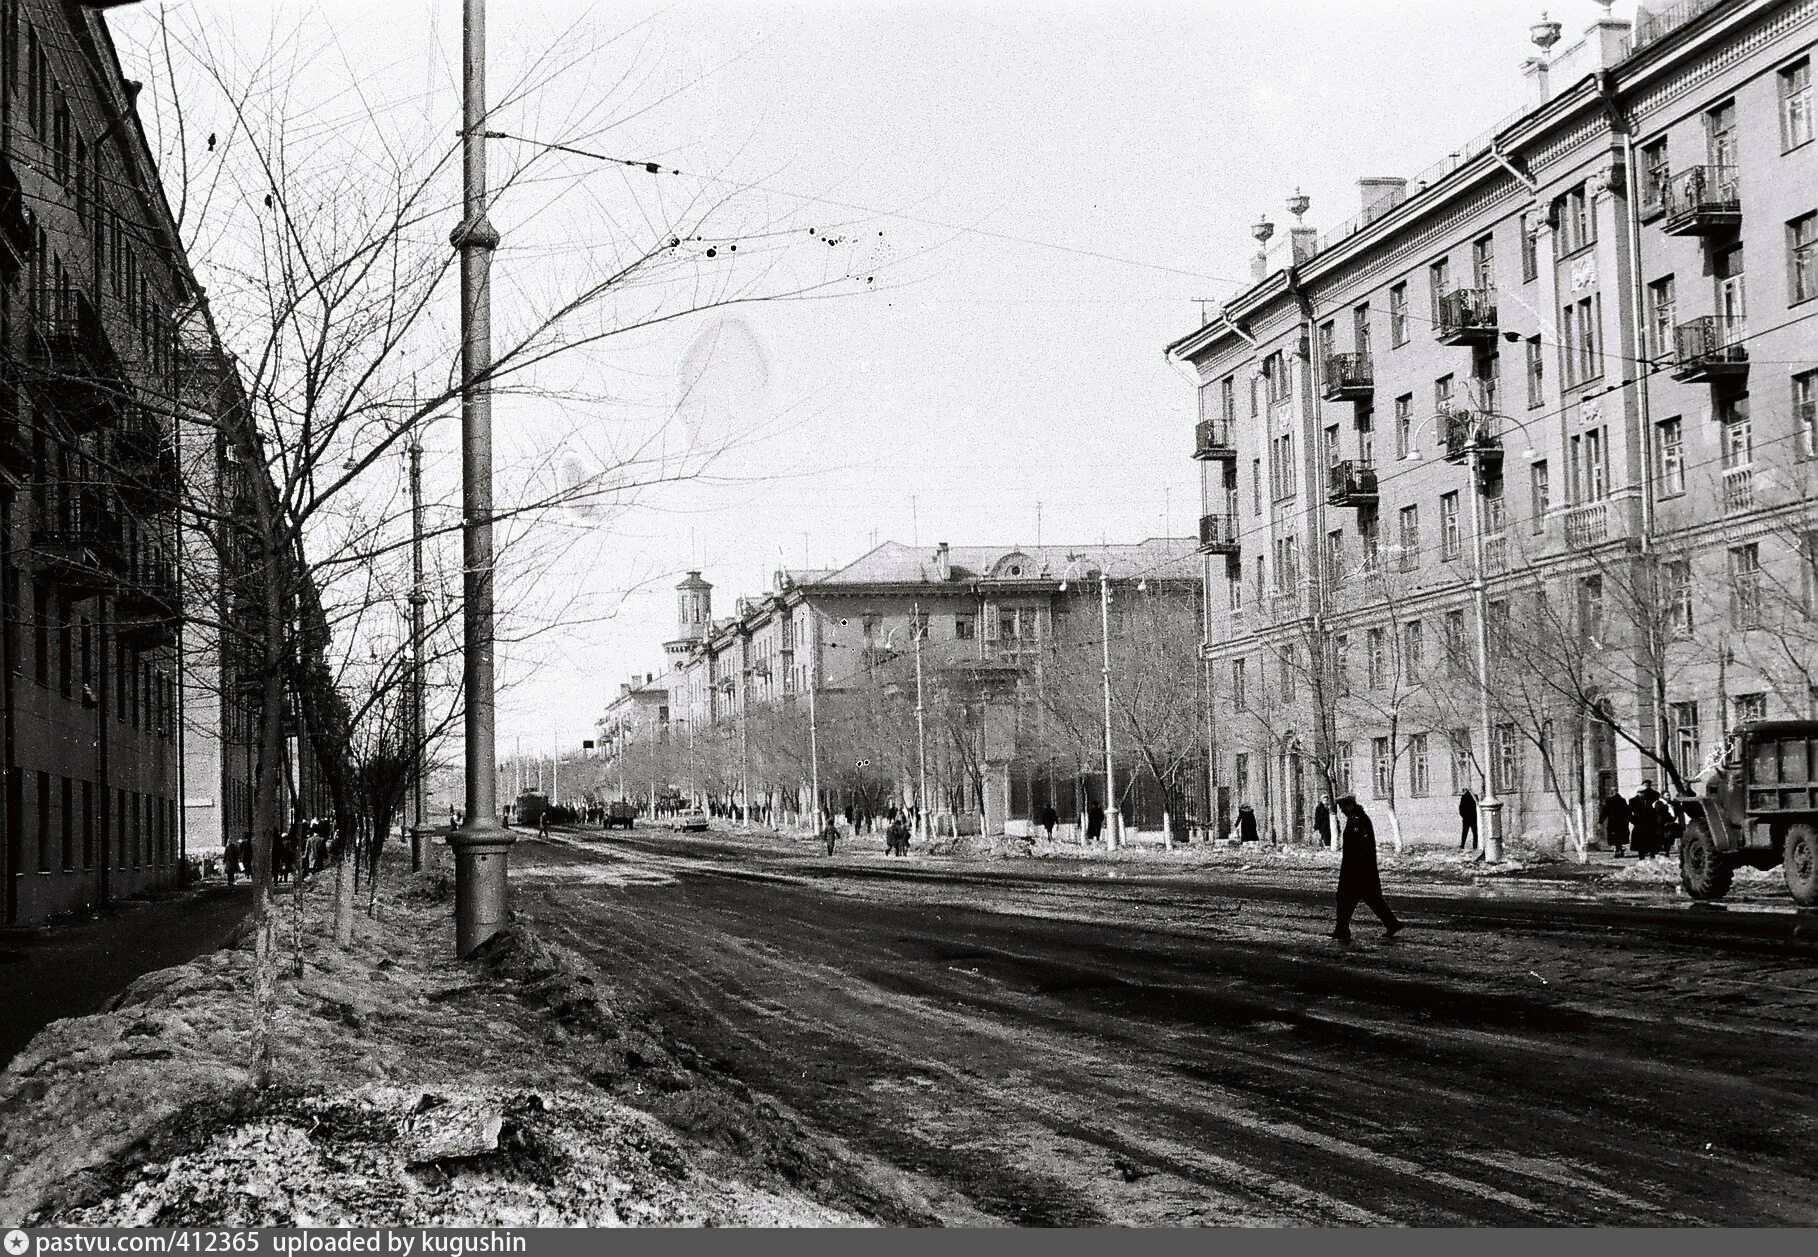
1560 386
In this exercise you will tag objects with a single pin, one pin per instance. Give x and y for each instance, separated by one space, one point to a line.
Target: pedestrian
1095 822
1358 879
246 855
830 834
898 835
1644 821
1467 819
1050 819
1614 815
1322 821
230 859
1246 823
543 823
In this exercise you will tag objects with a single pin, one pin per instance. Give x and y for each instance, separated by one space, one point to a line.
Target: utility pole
481 845
417 599
921 728
814 748
1113 814
1490 807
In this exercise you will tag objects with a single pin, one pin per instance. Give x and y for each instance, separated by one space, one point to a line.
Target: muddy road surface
1043 1045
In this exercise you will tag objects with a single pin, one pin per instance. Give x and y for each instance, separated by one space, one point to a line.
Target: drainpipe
1311 462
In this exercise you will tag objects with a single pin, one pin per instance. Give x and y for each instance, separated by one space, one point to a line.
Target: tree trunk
344 896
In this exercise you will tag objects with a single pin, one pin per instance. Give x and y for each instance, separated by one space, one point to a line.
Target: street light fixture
1114 814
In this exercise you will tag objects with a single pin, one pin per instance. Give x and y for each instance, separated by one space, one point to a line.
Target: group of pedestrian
896 834
1649 823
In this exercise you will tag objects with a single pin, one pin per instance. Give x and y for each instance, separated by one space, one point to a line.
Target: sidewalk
73 966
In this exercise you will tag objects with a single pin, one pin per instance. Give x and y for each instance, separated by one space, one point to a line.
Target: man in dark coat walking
1615 817
1050 818
1322 822
1644 820
1095 822
1467 819
1246 823
1358 880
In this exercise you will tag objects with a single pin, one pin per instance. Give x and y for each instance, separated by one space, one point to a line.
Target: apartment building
92 278
1542 417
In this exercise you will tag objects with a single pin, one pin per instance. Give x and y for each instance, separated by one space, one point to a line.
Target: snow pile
408 1088
1656 870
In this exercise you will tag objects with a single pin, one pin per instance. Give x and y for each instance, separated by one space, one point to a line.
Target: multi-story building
92 281
1515 469
981 609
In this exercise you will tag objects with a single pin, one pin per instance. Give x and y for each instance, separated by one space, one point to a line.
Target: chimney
1380 195
943 563
1303 240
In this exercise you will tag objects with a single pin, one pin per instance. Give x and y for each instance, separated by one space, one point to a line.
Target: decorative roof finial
1262 231
1298 204
1545 33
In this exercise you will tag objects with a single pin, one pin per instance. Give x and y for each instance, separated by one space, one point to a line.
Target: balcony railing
1710 347
1348 377
1467 432
75 367
1218 534
1701 201
1467 316
1351 484
1587 525
15 229
77 544
1215 438
1738 490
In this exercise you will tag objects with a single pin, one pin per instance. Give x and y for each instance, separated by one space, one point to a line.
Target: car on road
690 821
1758 806
621 814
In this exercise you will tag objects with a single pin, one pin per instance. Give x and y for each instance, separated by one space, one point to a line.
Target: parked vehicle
1756 806
528 809
621 814
695 820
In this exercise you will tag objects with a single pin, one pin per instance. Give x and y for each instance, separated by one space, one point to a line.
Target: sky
1027 202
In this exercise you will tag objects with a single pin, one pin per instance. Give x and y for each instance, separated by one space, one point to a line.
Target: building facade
1508 482
92 281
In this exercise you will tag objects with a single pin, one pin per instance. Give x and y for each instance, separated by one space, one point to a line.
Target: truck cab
1756 804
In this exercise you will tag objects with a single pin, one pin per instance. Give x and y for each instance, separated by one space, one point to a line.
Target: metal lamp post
1114 821
480 845
921 728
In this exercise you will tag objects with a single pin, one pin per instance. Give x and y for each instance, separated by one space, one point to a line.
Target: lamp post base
1489 817
482 900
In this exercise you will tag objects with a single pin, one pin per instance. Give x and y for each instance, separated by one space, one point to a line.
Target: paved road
1046 1045
74 967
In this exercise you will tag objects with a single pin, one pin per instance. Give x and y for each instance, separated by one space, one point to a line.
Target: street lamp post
1115 816
417 722
481 845
921 728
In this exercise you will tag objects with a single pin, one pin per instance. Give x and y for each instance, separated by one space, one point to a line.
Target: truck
1755 805
620 813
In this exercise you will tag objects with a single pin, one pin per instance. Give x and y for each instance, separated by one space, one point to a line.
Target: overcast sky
1037 194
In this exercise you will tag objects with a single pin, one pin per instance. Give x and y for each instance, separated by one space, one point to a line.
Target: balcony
77 546
15 228
1348 378
1702 201
1467 316
148 469
1710 349
1218 534
1351 484
1738 490
149 589
16 453
1215 438
74 367
1468 432
1587 525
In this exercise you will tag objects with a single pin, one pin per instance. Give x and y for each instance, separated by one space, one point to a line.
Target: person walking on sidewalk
1050 818
1467 819
830 833
1358 879
1322 821
1095 822
1246 824
1614 813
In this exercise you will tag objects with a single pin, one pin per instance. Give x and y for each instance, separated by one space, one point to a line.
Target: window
1577 220
1404 425
1275 374
1669 457
1368 536
1255 405
1590 480
1805 412
1802 257
1335 557
41 603
1796 104
1442 394
1419 781
1458 661
1398 314
1749 707
1241 765
1537 373
1382 768
1732 291
1530 252
1239 699
1376 657
1328 340
1483 263
67 818
1256 498
1745 585
88 824
44 830
1579 342
963 628
1413 649
1508 760
1654 175
1341 768
1439 283
1449 547
1410 538
1341 665
1590 610
1332 448
1462 776
1235 589
1661 305
1286 669
1737 434
1227 399
1281 467
1366 437
1360 329
1720 134
1685 738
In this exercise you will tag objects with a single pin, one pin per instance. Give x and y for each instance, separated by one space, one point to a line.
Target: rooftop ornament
1545 32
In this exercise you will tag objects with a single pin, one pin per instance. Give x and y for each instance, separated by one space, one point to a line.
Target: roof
893 563
693 581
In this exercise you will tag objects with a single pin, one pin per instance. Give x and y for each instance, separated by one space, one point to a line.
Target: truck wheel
1703 870
1801 865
